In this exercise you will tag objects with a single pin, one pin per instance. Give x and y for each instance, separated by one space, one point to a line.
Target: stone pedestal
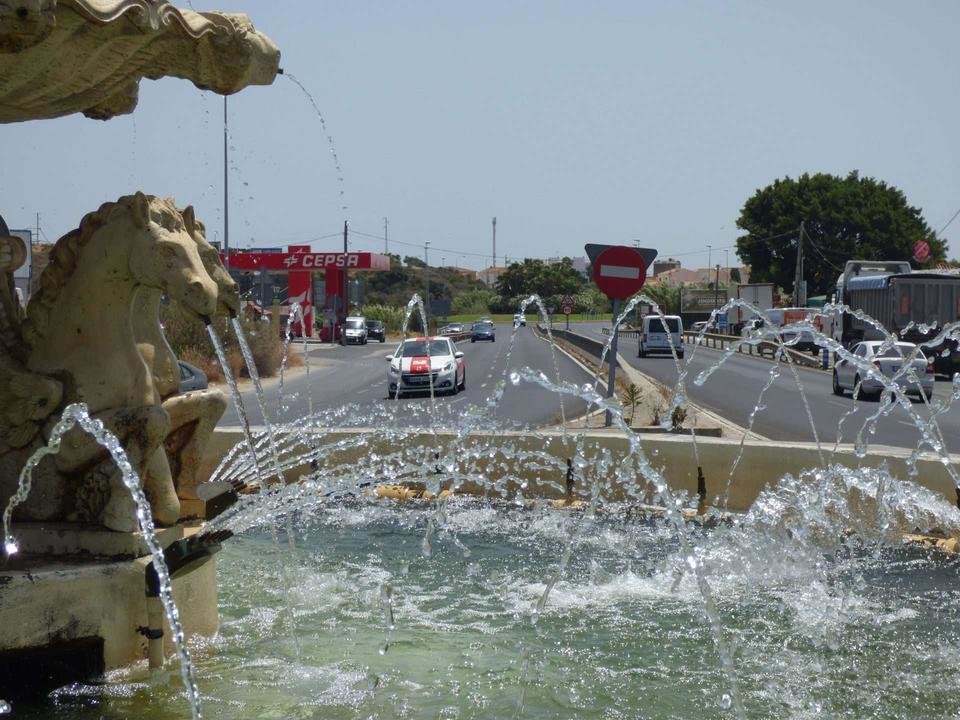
69 617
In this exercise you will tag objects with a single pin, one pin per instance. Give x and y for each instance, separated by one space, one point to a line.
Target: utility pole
716 289
426 274
226 206
709 257
343 308
798 275
386 247
494 242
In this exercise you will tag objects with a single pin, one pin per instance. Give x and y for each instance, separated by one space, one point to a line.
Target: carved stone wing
26 399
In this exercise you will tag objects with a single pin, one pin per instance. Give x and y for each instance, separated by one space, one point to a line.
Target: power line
950 221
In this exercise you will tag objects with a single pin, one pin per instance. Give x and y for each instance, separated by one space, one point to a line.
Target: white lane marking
620 271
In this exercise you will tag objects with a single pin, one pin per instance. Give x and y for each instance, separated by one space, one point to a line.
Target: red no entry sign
921 251
619 271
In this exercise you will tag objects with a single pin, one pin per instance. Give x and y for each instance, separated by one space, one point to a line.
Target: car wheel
642 353
837 390
463 383
928 394
391 395
473 340
680 355
383 339
858 392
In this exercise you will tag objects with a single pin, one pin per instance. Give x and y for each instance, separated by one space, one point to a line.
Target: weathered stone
65 56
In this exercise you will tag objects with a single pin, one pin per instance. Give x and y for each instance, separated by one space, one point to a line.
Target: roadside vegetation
189 340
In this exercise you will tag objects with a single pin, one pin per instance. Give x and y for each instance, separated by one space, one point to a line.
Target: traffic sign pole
612 359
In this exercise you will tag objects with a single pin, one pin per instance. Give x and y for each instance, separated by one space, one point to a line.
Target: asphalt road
733 391
356 375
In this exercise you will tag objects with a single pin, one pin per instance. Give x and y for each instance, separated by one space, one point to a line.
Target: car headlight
394 370
448 367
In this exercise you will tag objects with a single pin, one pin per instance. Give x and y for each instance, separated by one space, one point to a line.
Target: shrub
189 340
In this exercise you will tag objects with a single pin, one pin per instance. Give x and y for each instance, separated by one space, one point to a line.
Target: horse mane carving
67 250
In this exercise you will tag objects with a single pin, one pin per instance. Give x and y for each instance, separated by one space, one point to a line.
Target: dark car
375 330
483 330
191 377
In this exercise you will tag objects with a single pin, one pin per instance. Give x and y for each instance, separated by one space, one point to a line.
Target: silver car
888 362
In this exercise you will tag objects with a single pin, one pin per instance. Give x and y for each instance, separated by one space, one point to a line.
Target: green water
849 631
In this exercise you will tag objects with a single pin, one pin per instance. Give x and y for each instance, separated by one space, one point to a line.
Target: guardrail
765 348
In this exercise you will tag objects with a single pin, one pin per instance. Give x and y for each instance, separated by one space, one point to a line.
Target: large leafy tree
844 218
544 279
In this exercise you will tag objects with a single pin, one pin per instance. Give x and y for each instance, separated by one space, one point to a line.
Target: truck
913 305
759 294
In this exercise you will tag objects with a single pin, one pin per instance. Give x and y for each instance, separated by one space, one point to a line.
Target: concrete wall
50 602
763 462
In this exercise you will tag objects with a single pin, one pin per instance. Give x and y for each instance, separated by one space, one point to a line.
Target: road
356 375
733 391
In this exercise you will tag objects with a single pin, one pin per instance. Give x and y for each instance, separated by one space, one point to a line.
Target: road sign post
619 271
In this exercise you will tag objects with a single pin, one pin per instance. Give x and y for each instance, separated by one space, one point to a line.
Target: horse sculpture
194 415
80 347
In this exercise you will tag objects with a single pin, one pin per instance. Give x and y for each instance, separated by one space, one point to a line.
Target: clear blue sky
572 122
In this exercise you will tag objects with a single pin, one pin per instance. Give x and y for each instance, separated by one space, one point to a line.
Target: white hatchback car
418 361
890 363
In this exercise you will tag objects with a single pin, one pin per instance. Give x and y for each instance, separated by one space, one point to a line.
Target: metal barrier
716 341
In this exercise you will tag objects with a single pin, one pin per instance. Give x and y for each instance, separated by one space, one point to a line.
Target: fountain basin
762 465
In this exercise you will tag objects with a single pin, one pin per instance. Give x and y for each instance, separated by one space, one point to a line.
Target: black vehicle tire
680 355
463 383
928 395
642 353
383 339
391 395
473 340
493 339
837 390
858 392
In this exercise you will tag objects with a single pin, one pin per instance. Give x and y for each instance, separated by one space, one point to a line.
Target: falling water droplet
11 548
384 648
726 701
426 549
5 708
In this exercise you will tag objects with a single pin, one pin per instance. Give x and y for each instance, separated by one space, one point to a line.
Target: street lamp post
426 274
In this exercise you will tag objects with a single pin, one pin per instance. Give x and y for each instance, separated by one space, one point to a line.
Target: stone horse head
78 324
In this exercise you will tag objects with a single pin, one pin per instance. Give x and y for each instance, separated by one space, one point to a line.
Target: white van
657 335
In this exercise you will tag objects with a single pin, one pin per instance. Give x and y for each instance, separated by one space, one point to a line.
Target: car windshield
482 326
354 324
656 325
374 324
901 350
418 348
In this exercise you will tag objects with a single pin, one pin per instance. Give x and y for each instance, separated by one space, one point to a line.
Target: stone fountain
73 596
74 599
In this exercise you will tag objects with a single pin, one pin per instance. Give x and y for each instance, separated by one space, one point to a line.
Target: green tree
844 218
535 276
665 296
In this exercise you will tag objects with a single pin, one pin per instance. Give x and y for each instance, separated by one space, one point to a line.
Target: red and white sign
567 309
921 251
240 260
619 272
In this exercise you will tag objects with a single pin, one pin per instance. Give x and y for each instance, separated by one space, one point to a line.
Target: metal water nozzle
181 557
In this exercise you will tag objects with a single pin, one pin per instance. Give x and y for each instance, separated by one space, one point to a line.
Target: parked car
483 330
418 361
191 377
659 335
355 331
519 320
890 362
376 331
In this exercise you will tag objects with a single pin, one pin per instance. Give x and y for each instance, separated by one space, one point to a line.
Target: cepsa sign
307 261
